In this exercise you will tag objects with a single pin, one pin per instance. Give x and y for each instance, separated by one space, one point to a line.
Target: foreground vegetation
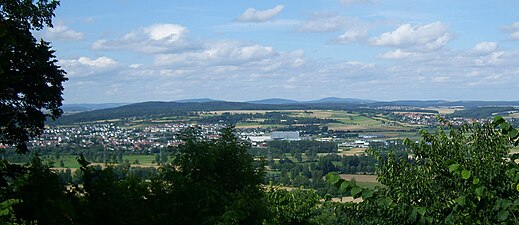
456 175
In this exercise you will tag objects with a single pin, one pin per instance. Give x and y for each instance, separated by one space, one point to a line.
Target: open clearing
352 151
360 177
70 161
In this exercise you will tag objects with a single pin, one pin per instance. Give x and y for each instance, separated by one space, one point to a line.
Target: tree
458 175
291 207
30 81
210 182
41 196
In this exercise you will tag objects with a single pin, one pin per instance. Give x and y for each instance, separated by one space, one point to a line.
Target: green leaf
454 167
505 127
367 193
345 186
413 215
355 191
465 174
421 210
517 187
475 180
498 120
461 200
332 178
479 191
513 133
502 215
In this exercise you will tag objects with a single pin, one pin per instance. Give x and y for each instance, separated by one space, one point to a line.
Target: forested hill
155 108
483 112
151 109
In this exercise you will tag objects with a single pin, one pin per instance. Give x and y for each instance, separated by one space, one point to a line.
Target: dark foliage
30 80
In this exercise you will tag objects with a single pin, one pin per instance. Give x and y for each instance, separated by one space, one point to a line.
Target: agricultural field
70 161
369 181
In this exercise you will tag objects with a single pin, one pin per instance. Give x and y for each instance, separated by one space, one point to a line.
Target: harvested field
360 177
352 152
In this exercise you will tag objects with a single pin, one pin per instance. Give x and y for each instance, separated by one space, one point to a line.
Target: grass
70 161
144 160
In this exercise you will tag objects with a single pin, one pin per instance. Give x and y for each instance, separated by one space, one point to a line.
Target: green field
70 161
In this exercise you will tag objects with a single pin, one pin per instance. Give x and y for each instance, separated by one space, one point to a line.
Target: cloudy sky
133 51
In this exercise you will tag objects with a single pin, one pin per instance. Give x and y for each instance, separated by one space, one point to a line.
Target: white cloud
352 36
421 38
85 66
398 54
219 52
514 30
514 35
493 59
166 32
63 33
101 62
485 47
156 38
254 15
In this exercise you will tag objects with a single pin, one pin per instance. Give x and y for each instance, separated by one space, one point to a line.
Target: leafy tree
291 207
210 182
41 194
458 175
111 196
30 80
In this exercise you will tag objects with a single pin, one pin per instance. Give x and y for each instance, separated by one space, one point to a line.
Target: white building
285 135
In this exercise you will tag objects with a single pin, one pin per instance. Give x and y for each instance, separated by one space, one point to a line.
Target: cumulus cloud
254 15
352 36
85 66
493 59
513 30
219 52
427 37
156 38
485 47
63 33
166 32
398 54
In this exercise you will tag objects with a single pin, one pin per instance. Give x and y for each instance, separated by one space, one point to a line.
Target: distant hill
88 107
274 101
483 112
341 100
87 112
153 109
198 100
414 103
437 103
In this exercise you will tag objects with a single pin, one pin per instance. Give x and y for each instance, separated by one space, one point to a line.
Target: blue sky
133 51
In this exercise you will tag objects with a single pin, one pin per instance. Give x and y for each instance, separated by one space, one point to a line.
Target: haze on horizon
133 51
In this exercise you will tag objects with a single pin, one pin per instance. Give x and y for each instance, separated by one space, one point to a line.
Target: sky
135 51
